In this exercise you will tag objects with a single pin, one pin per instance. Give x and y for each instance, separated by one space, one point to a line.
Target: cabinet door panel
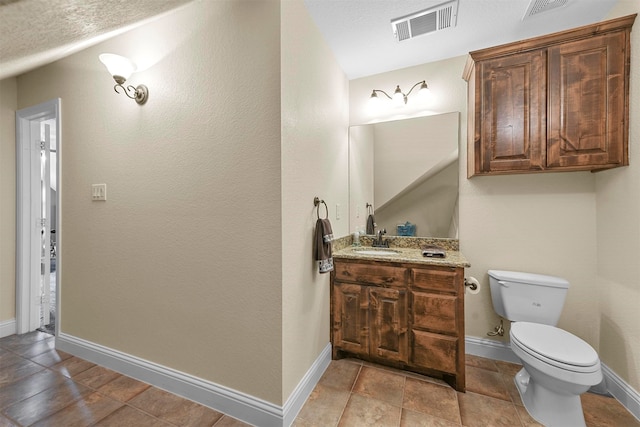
389 337
512 104
434 351
434 312
350 318
587 102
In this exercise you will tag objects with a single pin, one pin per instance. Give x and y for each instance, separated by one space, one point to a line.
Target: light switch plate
99 192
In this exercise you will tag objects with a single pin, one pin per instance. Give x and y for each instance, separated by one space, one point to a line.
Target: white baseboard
491 349
623 392
236 404
303 390
7 327
614 385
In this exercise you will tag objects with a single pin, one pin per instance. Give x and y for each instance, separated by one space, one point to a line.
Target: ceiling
360 35
36 32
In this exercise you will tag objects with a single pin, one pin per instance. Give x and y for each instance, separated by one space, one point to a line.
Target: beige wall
618 250
314 163
545 223
182 265
8 106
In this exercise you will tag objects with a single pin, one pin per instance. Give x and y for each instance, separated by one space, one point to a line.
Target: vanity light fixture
121 69
399 98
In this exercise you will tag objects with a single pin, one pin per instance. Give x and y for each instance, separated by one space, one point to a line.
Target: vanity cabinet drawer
378 275
433 351
435 312
444 279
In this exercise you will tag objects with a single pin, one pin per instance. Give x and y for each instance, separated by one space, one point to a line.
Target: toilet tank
527 297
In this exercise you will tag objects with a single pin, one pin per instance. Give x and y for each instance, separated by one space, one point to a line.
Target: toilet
557 366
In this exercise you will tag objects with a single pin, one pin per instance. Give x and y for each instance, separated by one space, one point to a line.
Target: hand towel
371 224
323 238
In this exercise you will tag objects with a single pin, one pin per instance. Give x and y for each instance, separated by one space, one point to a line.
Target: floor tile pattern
359 394
43 387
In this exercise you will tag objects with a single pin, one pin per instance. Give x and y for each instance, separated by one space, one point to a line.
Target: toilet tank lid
532 278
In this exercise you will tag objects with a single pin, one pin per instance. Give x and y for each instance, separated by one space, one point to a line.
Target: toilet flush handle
503 283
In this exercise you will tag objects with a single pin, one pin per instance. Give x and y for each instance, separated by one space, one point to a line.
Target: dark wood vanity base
408 316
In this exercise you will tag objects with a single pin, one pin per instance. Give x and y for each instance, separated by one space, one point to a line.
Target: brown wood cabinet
405 315
554 103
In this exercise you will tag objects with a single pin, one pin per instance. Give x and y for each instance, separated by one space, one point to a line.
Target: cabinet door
350 318
587 111
434 312
435 351
389 339
510 121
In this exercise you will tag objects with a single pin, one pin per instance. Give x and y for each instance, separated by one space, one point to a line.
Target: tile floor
41 386
354 393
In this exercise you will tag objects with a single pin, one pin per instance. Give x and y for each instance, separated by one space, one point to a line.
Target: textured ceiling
360 35
34 32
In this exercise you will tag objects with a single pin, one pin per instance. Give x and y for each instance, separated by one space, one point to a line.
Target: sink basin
377 252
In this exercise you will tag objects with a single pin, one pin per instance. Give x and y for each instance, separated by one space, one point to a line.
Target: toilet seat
555 346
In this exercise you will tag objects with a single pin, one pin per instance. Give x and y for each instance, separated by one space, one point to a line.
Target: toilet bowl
557 365
557 368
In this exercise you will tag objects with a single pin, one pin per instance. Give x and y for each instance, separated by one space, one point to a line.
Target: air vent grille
539 6
426 21
403 30
424 24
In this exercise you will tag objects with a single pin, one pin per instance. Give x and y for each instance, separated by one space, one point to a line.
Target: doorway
38 219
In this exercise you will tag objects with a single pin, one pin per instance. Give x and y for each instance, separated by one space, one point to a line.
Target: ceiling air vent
539 6
427 21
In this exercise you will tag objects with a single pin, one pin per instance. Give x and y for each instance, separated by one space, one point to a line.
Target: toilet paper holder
471 285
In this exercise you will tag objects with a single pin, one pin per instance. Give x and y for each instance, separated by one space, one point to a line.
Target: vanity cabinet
554 103
405 315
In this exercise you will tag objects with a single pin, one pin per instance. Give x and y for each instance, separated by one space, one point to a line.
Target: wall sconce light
121 68
399 98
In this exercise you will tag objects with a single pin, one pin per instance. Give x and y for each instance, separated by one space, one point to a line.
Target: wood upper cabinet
554 103
405 315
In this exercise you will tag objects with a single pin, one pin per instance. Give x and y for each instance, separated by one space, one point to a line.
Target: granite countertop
407 250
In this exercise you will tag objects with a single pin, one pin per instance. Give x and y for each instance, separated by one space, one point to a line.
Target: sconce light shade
424 92
121 69
399 98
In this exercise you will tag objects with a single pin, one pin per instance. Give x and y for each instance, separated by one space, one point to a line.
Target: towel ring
369 208
316 203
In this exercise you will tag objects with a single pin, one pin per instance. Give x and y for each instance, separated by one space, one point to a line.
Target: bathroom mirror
408 170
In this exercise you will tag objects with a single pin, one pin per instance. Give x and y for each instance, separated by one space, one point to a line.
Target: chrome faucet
378 242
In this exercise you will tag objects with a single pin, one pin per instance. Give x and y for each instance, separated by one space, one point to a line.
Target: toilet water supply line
499 330
473 285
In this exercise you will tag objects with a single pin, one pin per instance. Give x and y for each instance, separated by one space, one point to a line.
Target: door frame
28 262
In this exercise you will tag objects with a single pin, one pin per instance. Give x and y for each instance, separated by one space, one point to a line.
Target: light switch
338 211
98 192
